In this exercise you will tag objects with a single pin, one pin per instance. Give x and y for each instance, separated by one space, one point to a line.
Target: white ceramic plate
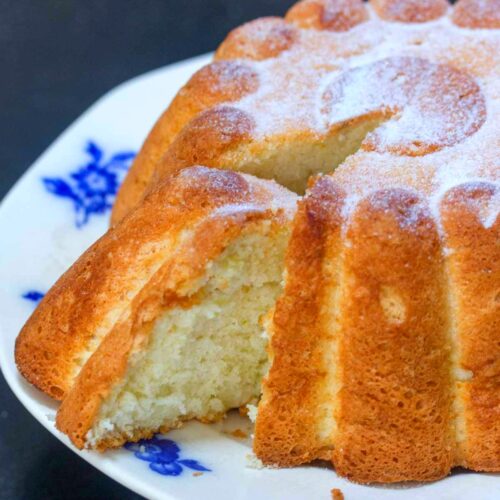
58 208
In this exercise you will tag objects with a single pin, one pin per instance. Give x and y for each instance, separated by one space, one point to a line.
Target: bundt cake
384 352
160 317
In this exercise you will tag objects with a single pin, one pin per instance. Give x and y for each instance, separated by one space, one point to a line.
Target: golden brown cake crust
477 14
407 314
394 410
410 11
89 299
380 292
258 40
285 428
221 81
474 268
332 15
205 139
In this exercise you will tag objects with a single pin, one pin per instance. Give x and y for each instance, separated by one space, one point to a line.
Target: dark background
56 58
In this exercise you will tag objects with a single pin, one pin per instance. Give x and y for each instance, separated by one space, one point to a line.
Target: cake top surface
427 73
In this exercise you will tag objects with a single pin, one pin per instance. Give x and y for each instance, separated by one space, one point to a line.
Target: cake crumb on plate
337 494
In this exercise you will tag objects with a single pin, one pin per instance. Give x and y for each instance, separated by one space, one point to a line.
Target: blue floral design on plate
93 186
33 295
163 456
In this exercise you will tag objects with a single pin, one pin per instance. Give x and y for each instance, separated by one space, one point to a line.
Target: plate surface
58 208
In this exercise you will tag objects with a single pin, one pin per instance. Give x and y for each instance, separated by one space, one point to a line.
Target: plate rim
12 377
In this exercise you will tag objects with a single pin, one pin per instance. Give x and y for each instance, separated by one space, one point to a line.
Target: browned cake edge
88 300
286 431
394 417
169 287
474 271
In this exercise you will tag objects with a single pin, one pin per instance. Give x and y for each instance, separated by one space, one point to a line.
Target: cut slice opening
308 154
204 358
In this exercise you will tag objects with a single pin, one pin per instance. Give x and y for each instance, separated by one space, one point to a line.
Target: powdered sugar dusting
230 77
434 85
477 14
411 10
490 215
431 105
